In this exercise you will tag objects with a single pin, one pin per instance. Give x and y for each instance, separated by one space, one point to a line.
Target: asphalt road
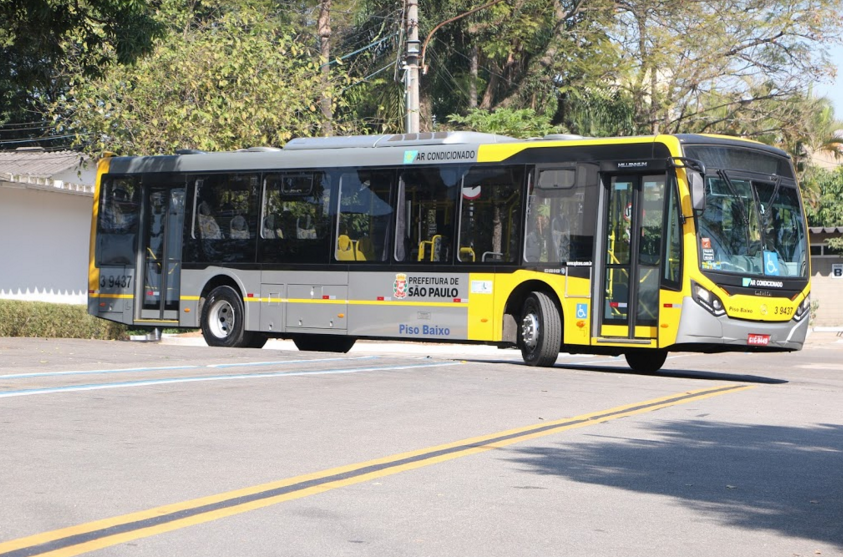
143 449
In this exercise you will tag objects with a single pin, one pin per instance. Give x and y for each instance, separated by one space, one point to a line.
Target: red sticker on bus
758 340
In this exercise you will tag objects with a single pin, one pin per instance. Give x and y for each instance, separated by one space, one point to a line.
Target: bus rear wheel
324 343
646 361
223 320
540 334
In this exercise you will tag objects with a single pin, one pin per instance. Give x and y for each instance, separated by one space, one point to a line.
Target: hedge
39 319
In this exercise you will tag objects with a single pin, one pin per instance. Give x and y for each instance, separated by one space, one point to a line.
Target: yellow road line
83 538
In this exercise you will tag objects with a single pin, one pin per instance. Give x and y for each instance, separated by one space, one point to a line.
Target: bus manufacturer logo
399 287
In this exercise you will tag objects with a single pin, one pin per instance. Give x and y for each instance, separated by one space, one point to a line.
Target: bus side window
295 217
490 217
557 231
365 214
225 218
426 212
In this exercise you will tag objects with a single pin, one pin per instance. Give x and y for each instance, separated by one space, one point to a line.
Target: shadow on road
767 478
672 373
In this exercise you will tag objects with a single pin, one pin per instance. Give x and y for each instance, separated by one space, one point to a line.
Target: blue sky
834 91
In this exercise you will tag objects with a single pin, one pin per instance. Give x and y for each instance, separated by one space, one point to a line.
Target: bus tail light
803 309
707 299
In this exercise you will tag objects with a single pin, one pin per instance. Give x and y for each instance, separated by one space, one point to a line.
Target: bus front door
163 217
631 257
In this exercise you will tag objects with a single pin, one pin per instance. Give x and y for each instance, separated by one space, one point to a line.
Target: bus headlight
803 309
707 299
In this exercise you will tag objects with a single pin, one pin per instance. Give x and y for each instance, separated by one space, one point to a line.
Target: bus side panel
195 281
408 304
578 311
482 308
506 284
115 294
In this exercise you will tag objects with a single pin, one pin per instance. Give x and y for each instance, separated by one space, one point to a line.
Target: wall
44 238
827 291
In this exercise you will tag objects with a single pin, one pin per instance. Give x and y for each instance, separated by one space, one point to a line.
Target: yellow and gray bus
635 246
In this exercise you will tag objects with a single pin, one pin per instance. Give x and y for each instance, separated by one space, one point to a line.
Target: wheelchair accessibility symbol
771 263
582 311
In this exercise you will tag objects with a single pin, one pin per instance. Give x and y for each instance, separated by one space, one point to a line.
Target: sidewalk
827 337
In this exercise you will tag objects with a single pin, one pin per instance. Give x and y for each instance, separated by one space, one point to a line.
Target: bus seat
306 232
365 249
239 228
345 248
272 227
208 228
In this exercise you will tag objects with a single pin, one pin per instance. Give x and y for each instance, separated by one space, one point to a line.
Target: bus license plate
758 340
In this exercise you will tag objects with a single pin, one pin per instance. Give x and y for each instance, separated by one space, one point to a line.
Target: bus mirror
696 184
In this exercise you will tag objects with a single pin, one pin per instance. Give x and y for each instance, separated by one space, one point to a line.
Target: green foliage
37 36
38 319
827 209
600 113
522 123
227 80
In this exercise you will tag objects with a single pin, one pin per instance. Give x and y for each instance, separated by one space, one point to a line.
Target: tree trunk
324 32
473 75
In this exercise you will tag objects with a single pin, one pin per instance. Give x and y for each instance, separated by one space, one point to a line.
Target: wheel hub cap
222 319
530 330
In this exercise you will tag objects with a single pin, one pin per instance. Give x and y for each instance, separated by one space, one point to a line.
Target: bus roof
384 150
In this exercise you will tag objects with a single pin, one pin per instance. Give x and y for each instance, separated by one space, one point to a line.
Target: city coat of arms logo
399 287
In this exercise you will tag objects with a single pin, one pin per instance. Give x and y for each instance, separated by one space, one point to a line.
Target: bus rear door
163 219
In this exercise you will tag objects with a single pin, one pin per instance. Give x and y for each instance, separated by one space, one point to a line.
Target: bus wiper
766 211
775 191
741 207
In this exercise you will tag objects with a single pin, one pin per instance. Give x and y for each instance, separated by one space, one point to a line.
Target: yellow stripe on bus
461 303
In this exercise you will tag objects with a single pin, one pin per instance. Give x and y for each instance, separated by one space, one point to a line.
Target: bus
634 246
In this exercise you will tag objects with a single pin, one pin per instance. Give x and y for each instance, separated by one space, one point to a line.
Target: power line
35 139
359 50
370 76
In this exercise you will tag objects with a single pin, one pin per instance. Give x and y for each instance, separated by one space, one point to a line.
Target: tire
324 343
223 319
540 334
646 361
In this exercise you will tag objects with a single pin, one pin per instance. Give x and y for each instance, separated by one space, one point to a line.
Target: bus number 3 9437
116 281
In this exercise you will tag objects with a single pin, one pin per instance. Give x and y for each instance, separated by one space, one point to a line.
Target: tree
694 65
521 123
38 36
224 77
324 31
828 208
650 65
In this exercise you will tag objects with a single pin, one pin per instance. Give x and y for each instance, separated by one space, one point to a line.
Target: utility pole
411 66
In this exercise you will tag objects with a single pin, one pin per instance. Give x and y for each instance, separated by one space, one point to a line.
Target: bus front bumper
699 327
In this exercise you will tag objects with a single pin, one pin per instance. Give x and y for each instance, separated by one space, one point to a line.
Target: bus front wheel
646 361
223 319
540 334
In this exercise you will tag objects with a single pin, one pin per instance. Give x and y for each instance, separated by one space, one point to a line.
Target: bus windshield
752 226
